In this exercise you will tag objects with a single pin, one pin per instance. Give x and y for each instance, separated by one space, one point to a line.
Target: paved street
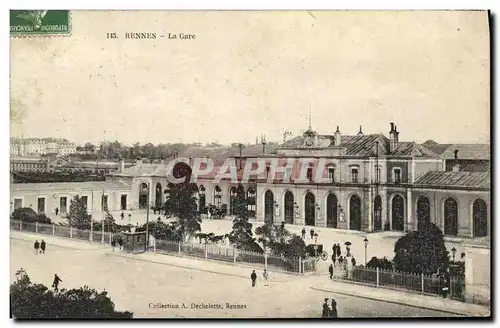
133 285
380 244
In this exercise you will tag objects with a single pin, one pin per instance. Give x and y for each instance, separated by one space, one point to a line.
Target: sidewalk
51 240
403 298
204 265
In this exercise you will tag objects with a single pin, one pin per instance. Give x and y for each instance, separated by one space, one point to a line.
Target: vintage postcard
250 164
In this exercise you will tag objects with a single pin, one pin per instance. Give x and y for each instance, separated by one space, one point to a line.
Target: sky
255 73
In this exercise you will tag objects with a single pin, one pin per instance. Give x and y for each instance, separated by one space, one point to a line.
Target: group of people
253 277
311 233
329 312
122 216
118 241
40 247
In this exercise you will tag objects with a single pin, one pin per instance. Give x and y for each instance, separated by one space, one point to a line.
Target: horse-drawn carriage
317 252
215 212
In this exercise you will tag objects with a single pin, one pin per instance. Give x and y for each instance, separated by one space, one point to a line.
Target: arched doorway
355 213
232 198
269 207
143 196
289 208
217 197
202 199
377 213
480 217
251 202
450 217
158 195
398 213
423 210
310 209
331 211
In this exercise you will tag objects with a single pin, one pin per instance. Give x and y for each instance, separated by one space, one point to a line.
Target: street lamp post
315 244
366 246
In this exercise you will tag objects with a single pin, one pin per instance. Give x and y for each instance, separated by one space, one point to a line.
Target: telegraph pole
147 219
91 218
240 146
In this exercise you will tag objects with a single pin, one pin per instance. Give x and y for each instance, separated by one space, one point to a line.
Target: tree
163 231
384 263
279 240
36 301
241 237
27 214
421 251
182 203
78 216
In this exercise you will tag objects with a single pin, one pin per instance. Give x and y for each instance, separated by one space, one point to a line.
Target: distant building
40 146
463 157
28 164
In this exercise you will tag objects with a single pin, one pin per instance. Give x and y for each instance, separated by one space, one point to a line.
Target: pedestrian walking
333 311
341 259
325 313
57 211
353 261
209 214
56 282
339 251
265 276
113 244
282 225
37 246
129 218
120 242
304 233
311 233
42 247
330 269
122 215
253 276
334 260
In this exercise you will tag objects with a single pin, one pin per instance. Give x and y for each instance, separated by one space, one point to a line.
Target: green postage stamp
40 23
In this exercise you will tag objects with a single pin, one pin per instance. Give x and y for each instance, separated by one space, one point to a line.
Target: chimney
121 166
393 137
456 166
337 137
360 133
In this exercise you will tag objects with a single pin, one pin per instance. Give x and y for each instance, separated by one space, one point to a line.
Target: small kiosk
134 242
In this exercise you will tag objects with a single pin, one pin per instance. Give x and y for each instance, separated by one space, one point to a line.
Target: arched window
310 209
158 195
143 196
217 197
251 203
398 213
355 213
289 207
423 210
269 207
480 217
450 217
331 211
377 213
